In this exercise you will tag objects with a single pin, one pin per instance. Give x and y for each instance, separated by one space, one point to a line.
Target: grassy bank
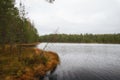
29 64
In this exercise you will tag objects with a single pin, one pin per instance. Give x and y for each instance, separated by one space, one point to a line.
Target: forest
81 38
14 26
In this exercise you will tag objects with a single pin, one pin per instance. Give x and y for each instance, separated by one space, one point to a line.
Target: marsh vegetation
27 65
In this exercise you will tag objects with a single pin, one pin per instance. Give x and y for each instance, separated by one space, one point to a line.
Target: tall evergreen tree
14 27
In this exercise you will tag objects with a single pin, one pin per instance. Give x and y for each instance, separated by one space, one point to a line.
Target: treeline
14 26
81 38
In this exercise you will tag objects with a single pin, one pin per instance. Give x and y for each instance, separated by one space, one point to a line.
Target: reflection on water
49 77
53 77
86 61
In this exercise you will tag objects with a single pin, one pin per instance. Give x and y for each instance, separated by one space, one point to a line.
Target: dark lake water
86 61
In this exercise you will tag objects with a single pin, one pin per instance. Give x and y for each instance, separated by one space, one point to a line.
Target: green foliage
14 27
81 38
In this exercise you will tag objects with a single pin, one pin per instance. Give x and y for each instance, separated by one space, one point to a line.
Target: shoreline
31 64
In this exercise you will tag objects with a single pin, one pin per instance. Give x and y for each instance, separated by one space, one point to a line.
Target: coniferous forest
14 26
81 38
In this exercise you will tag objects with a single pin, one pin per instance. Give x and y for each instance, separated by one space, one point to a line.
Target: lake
86 61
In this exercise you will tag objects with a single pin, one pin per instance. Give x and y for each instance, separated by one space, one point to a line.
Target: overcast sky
75 16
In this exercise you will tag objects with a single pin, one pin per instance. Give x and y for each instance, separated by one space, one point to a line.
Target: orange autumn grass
29 65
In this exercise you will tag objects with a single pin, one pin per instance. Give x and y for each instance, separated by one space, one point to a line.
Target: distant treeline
81 38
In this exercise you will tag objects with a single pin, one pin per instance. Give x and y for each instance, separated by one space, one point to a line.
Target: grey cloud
75 16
